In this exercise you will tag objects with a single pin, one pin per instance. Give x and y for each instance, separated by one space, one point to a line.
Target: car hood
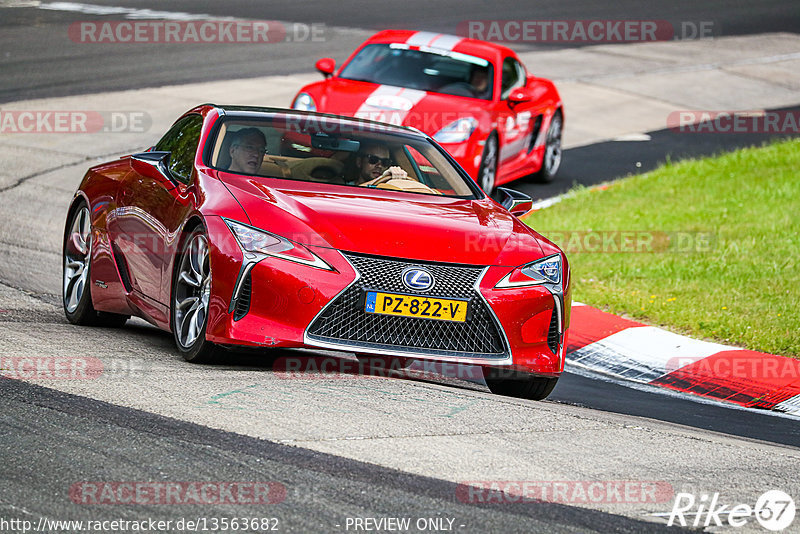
386 223
423 110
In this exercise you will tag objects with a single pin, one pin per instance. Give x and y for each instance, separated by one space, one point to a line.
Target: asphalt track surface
37 58
100 441
51 439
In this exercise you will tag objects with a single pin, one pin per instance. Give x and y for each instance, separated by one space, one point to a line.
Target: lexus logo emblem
417 279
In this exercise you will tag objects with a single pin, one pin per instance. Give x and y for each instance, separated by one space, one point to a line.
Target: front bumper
293 305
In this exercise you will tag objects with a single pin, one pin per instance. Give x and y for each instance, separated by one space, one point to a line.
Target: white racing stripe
390 104
441 41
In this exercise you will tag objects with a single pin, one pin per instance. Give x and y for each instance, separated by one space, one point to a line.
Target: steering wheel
459 89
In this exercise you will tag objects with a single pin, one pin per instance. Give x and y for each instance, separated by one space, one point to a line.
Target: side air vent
553 337
537 125
243 302
122 267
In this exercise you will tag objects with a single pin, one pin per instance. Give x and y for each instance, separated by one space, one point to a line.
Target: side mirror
517 203
152 164
326 66
520 95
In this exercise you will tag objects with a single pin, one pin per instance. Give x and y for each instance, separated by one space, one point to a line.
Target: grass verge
708 247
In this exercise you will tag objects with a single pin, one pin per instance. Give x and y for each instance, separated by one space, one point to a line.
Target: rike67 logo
774 510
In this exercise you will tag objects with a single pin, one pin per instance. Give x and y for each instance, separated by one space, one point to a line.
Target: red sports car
255 227
476 99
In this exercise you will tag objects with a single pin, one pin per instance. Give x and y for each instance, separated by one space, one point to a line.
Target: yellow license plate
416 306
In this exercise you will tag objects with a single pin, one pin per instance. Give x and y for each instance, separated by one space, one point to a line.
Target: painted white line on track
127 12
634 137
547 202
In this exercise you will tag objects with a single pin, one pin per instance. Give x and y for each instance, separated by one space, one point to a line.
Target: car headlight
544 271
457 131
304 102
260 242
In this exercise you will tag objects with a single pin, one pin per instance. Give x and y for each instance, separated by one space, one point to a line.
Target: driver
480 81
374 162
247 150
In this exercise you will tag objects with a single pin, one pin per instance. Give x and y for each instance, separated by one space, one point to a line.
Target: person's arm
392 173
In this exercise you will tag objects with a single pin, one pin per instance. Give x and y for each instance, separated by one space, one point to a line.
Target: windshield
311 148
432 70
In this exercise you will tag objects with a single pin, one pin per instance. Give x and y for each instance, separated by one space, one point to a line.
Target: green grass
742 287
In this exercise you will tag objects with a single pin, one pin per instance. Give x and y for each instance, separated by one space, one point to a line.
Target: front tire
76 295
487 172
191 292
552 151
516 384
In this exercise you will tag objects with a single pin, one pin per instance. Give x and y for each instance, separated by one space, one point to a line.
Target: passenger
247 150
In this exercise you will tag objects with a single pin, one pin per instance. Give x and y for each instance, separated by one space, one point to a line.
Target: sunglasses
372 159
253 149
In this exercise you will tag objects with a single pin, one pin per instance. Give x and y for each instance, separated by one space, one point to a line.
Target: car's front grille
344 321
553 337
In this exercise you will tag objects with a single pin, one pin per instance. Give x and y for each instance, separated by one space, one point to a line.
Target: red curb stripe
773 399
744 377
588 325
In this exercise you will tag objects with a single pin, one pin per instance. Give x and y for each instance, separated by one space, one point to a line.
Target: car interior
324 158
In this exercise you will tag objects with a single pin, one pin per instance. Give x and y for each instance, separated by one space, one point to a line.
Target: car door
514 122
146 218
183 149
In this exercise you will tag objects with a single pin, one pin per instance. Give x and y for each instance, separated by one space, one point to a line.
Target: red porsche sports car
256 227
475 98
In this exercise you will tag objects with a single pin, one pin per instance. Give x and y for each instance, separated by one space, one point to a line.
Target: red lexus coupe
260 228
475 98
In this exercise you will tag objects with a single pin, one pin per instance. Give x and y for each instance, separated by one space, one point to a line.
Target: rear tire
191 292
76 294
516 384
